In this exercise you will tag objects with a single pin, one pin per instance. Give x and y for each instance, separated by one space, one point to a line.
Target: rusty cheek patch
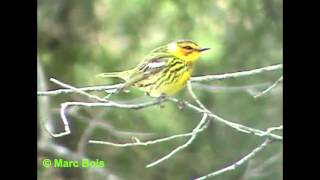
186 52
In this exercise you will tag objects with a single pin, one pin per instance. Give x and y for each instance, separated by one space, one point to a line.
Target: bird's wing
153 65
147 68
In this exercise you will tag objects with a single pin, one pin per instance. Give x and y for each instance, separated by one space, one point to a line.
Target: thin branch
65 105
108 89
43 102
106 103
65 123
269 130
245 158
179 148
87 133
78 90
240 162
236 126
274 129
269 88
260 170
202 125
239 127
193 95
214 88
236 74
112 88
45 143
99 123
151 142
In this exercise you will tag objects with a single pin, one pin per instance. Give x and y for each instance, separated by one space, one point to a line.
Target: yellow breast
171 87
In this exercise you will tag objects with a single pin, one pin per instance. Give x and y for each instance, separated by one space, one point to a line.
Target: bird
164 71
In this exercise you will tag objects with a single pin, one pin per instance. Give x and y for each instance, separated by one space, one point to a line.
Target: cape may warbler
164 71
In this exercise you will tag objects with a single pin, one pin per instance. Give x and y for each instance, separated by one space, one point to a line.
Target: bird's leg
181 104
161 99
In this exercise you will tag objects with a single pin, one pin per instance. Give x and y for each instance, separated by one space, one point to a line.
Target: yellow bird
164 71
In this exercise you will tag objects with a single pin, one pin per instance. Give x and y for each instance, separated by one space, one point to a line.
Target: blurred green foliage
79 39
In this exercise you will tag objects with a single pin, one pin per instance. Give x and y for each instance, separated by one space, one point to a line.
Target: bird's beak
203 49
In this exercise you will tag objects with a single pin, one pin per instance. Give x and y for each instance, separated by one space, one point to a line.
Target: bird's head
185 50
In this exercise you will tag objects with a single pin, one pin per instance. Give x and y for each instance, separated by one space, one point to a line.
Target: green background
79 39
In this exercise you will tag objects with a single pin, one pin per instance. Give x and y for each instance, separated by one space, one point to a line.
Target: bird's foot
181 104
161 99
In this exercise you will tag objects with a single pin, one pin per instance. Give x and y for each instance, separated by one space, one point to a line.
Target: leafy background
79 39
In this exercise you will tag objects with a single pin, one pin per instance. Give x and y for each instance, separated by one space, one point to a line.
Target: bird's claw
161 99
181 104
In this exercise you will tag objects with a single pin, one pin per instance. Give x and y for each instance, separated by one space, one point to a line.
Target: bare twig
200 108
65 105
46 145
44 102
111 88
78 90
87 133
236 126
254 170
108 88
179 148
99 123
245 158
238 163
193 95
244 88
147 143
236 74
269 130
269 88
108 103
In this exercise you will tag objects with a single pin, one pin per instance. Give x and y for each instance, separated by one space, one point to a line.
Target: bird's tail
123 75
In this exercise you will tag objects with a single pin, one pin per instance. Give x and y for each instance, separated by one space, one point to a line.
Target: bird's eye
188 47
